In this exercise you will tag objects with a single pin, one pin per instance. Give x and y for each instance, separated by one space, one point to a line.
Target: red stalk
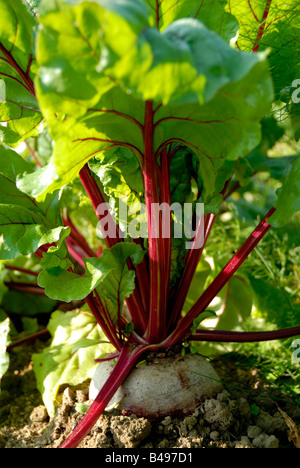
33 154
243 337
165 194
96 197
43 249
262 26
23 75
21 270
93 191
25 287
29 339
219 282
121 370
109 357
142 275
77 238
190 269
74 253
157 324
100 315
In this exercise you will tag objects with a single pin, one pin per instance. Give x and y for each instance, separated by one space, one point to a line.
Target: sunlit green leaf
109 273
18 105
271 24
211 13
65 361
233 88
24 224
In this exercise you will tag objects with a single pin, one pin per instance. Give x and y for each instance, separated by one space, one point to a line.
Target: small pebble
214 435
167 421
39 414
253 431
265 441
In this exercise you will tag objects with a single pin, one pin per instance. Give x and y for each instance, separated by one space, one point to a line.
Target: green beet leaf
25 225
271 24
122 182
92 92
201 62
117 282
76 341
18 104
220 21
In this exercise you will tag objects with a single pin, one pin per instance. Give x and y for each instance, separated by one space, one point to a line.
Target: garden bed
246 414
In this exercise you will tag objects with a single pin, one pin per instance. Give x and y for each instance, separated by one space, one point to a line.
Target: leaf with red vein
18 108
167 11
273 24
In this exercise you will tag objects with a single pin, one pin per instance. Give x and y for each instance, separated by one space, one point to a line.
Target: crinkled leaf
110 270
259 160
119 283
68 53
37 183
24 231
18 107
288 196
67 286
122 183
201 62
12 164
234 88
44 147
225 127
181 173
211 13
271 24
65 361
24 224
81 139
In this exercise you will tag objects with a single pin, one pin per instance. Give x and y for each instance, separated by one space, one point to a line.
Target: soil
242 415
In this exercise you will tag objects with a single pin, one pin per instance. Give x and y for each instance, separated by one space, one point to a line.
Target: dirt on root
243 415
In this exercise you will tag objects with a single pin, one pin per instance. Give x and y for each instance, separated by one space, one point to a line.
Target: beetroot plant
153 109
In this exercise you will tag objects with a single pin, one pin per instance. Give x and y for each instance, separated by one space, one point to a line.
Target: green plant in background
126 102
